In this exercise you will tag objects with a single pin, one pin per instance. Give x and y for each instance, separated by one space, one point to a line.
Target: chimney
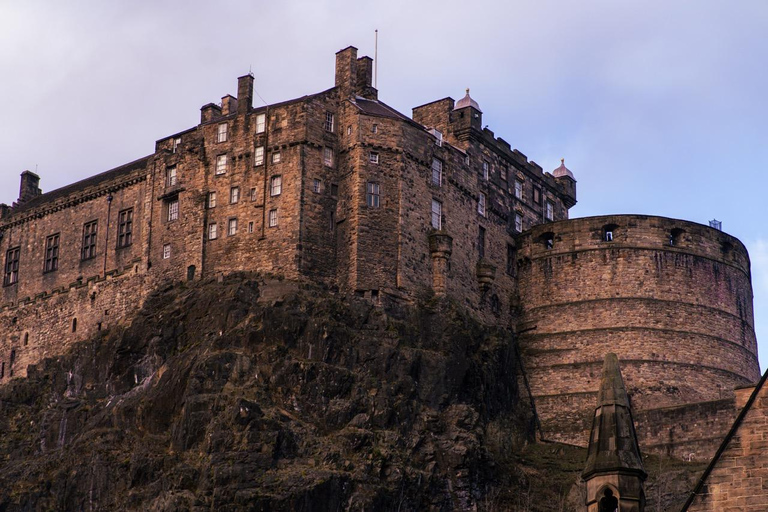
244 93
228 105
209 112
365 78
346 70
29 188
4 210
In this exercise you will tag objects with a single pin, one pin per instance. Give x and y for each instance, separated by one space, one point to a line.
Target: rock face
247 394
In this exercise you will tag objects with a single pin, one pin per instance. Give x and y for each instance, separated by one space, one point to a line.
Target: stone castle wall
653 303
673 299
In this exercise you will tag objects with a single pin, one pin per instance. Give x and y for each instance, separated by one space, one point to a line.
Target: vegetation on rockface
256 394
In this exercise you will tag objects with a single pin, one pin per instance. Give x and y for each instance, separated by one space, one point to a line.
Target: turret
564 177
467 113
614 472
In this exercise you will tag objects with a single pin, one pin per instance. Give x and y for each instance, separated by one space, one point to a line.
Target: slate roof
90 182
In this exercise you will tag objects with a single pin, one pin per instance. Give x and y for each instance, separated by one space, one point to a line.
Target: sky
658 107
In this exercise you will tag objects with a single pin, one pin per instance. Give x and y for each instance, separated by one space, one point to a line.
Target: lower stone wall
690 432
45 325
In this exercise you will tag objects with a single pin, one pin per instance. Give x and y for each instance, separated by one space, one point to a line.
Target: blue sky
658 107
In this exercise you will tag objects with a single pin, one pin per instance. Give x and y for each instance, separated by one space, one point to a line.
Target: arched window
608 503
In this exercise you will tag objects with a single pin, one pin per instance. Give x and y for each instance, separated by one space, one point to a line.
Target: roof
613 441
562 170
378 108
467 101
93 181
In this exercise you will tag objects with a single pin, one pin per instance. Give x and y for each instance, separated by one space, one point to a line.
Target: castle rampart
673 299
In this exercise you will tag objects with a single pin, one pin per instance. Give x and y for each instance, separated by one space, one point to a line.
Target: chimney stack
346 71
244 93
29 188
228 105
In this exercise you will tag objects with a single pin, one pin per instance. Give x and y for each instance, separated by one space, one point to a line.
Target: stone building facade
339 188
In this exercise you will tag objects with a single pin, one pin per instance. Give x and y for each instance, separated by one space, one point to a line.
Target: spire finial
467 91
562 161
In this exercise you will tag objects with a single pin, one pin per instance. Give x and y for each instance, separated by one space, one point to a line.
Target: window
272 218
608 233
166 251
334 190
232 227
234 195
125 228
486 169
11 266
481 204
170 176
261 123
437 214
375 128
88 250
250 227
675 236
349 130
438 137
536 195
173 209
373 157
276 157
481 242
221 164
518 189
329 121
258 156
222 133
176 144
548 240
511 257
51 253
253 194
372 195
317 186
211 201
466 159
437 172
549 213
503 173
276 185
518 223
328 157
213 231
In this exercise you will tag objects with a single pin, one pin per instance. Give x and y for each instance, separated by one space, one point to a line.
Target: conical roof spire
613 443
467 101
562 170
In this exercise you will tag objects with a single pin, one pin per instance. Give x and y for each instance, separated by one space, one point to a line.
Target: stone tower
614 474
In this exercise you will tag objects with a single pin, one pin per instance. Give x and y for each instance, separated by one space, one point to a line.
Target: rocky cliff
254 394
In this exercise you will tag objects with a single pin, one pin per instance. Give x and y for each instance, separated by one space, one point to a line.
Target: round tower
672 299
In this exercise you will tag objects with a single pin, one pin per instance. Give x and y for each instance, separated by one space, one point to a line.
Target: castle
339 188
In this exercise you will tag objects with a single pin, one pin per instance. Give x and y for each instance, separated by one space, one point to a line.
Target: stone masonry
339 188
